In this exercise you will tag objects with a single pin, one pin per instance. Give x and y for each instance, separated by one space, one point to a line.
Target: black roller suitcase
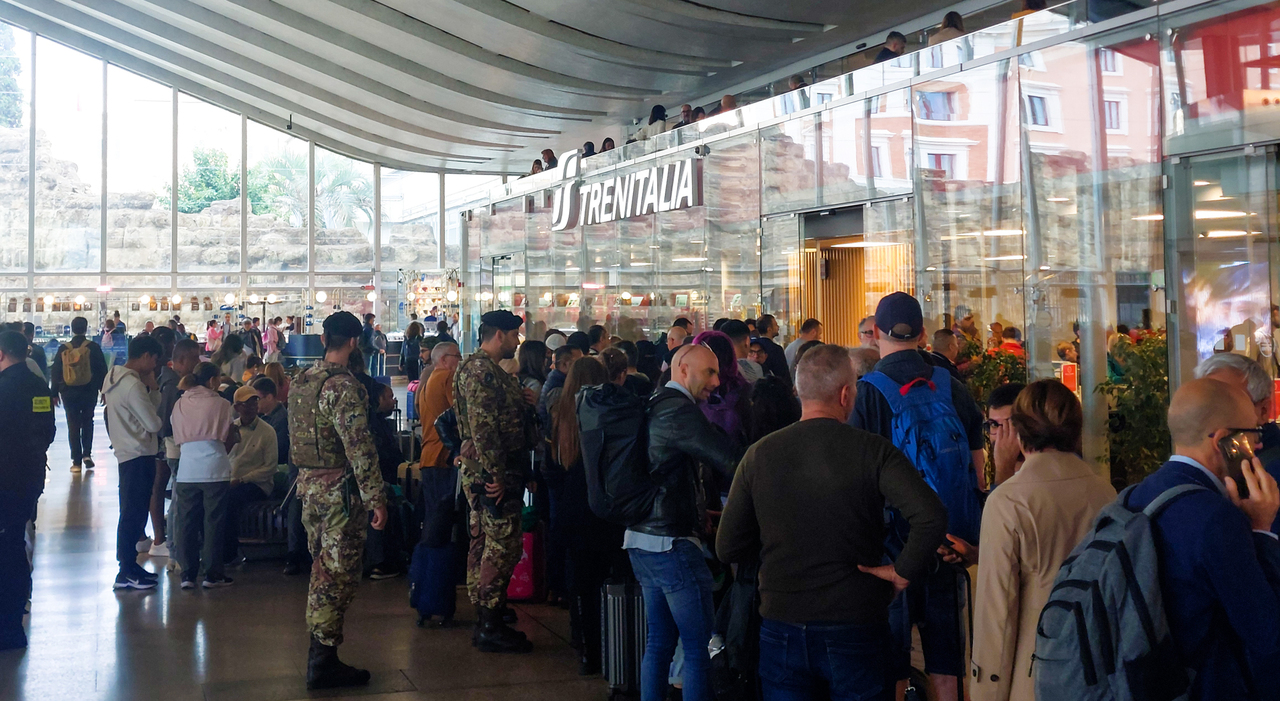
624 633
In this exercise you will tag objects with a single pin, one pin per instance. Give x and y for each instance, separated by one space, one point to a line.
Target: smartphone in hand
1237 449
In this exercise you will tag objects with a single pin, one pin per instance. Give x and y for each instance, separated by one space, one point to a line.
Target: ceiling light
104 288
1057 199
145 299
639 264
1201 183
231 298
865 244
993 258
253 298
1149 217
48 300
79 299
592 286
931 268
655 246
271 298
626 296
1218 214
410 296
321 296
451 295
688 260
1220 234
372 296
1044 267
176 299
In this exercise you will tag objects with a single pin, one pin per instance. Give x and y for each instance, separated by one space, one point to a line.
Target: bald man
1249 376
663 547
1220 562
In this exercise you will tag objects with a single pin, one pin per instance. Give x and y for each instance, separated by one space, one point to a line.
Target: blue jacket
1221 587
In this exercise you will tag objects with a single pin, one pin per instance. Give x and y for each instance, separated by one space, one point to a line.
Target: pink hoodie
201 415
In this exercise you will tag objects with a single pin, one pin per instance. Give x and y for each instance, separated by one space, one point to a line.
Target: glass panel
787 160
68 231
138 281
970 202
139 172
505 232
637 253
890 149
185 281
780 269
850 151
277 280
15 127
731 192
410 220
277 200
1221 76
1094 248
344 213
43 282
462 192
208 187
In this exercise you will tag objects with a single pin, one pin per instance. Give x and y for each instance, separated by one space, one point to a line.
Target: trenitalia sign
662 188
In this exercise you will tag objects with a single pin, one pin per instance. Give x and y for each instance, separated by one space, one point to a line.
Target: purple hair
720 344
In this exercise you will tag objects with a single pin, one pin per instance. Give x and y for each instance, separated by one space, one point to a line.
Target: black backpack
615 453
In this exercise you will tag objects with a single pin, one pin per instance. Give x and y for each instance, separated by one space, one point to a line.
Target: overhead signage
660 188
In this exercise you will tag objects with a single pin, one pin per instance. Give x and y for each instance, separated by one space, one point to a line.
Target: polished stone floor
247 642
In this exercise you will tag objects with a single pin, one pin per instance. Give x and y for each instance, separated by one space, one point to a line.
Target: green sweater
809 500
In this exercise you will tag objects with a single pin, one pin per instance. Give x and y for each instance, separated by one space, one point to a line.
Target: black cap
899 316
502 320
344 324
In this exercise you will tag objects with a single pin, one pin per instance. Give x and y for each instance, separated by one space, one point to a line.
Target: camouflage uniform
338 482
491 413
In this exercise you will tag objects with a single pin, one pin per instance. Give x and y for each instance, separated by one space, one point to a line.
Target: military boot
475 631
326 671
495 636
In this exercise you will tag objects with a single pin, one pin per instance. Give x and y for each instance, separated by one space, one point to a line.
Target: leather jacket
680 437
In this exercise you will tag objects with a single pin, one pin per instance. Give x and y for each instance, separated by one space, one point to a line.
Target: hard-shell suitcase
624 634
410 402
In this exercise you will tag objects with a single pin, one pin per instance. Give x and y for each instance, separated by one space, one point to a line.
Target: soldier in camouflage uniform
493 415
338 483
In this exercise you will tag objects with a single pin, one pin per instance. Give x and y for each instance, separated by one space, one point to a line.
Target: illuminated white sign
661 188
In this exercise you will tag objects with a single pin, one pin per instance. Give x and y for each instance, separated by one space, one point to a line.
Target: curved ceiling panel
455 85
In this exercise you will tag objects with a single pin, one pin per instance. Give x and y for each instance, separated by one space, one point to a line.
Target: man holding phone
1220 562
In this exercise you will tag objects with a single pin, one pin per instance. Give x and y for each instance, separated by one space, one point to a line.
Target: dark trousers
201 510
237 498
589 570
16 508
386 547
297 535
842 662
136 477
80 424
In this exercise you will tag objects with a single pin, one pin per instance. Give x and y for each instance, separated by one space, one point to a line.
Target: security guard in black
26 420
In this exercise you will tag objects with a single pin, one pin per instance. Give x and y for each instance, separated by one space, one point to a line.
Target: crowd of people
803 508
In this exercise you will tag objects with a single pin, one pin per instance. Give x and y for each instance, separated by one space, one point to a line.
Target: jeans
678 606
80 424
847 660
136 477
202 508
16 508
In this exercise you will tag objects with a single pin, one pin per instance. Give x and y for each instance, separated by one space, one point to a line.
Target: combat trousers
335 528
495 550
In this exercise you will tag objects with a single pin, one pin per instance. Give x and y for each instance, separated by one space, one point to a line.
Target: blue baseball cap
899 316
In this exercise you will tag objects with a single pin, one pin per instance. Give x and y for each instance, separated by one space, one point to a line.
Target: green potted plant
1138 395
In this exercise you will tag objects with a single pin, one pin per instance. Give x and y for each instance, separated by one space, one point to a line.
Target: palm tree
344 195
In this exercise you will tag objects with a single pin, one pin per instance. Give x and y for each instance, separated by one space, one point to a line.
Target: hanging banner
660 188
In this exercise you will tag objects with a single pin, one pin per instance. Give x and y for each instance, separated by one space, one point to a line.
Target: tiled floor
244 643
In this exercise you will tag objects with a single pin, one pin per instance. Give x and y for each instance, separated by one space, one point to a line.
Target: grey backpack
1103 633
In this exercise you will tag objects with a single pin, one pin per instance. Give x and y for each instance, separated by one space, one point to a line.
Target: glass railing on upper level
1038 26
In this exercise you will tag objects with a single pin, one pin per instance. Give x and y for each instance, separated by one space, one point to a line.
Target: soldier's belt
321 467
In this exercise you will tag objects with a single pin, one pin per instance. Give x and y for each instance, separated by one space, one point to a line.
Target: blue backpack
927 429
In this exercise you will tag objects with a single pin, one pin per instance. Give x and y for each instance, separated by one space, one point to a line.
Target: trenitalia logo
662 188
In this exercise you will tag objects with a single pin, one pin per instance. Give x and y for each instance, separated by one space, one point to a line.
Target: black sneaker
129 580
188 582
216 583
384 572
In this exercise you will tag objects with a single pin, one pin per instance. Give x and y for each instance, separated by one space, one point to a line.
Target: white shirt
202 462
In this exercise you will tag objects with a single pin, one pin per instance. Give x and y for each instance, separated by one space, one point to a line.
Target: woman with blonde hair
276 372
1030 524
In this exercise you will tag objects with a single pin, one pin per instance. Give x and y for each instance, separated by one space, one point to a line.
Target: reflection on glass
344 213
277 200
68 226
780 270
462 193
731 186
208 186
410 220
15 128
788 152
139 163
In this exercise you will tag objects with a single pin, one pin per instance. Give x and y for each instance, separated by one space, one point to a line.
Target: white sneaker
144 545
160 549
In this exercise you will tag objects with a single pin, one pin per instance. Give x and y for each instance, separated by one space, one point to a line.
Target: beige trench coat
1030 525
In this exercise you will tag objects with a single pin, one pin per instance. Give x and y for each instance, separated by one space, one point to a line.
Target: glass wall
277 193
15 150
139 173
344 213
208 192
68 223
